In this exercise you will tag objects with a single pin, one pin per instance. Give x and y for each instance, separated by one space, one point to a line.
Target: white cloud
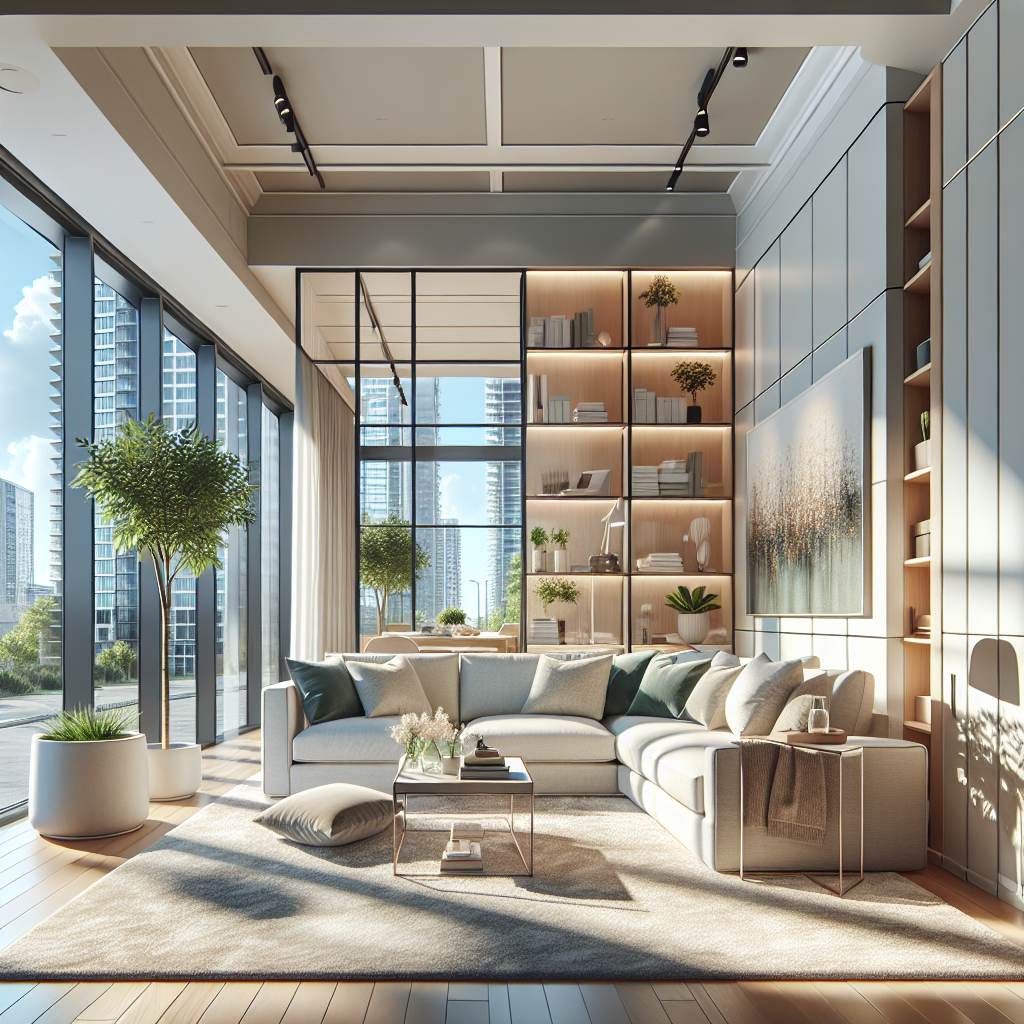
32 314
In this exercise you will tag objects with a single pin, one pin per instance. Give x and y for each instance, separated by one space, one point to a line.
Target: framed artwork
808 500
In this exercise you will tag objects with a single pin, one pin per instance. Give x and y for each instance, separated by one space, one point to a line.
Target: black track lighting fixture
286 113
379 331
739 58
701 124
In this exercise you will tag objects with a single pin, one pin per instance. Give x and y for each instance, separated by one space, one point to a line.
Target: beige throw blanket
784 791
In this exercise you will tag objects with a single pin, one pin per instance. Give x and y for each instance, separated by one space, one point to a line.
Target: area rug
614 897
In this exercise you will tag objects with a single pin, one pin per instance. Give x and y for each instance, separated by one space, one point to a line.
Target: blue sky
25 435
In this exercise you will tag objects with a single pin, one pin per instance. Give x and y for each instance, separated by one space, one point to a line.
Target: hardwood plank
460 990
193 1002
497 1003
67 1009
849 1002
684 1011
970 1004
928 1002
271 1002
527 1004
35 1002
1000 996
231 1003
114 1001
666 990
706 1003
11 832
45 886
465 1011
348 1006
428 1003
603 1003
310 1002
46 907
388 1002
775 1006
640 1002
148 1007
733 1003
12 991
565 1003
889 1003
811 1003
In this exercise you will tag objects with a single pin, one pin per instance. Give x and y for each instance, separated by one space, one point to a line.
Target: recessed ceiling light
58 135
17 80
221 306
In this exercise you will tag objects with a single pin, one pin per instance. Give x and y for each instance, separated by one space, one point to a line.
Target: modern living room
365 659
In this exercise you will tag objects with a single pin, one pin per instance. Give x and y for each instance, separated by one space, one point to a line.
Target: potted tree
561 538
694 618
693 378
553 591
660 293
170 496
538 538
386 560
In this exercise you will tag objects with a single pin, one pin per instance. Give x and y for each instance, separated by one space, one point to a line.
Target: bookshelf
562 452
922 392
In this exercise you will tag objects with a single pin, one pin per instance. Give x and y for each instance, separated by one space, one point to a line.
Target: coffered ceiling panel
636 96
376 181
352 96
614 181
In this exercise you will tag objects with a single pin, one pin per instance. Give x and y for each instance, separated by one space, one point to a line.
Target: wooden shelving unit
922 487
610 375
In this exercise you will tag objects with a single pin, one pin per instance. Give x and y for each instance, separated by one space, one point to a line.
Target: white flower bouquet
416 733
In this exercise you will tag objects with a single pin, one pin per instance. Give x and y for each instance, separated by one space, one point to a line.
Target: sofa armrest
283 720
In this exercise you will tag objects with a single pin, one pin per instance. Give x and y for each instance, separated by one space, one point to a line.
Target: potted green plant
694 619
451 617
88 775
561 538
386 554
923 449
538 538
660 293
170 496
693 378
554 591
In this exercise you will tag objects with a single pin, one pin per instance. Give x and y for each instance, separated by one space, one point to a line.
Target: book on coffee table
458 862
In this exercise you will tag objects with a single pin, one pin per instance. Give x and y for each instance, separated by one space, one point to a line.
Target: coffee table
410 783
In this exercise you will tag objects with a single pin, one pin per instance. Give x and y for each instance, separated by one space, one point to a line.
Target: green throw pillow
624 681
327 690
666 685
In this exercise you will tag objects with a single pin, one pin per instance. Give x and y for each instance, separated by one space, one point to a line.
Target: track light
701 124
739 58
282 106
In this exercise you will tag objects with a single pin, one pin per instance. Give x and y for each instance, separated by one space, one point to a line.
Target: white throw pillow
329 815
760 693
706 703
389 688
795 714
576 688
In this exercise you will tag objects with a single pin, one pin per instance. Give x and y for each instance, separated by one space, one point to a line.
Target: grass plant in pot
170 496
449 617
88 776
694 618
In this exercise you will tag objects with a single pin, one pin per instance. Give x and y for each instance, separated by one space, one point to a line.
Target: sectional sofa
682 774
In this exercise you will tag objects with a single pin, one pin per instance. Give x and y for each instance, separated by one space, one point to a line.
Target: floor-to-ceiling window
30 501
270 545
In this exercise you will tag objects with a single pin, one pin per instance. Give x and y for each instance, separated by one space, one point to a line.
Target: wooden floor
38 876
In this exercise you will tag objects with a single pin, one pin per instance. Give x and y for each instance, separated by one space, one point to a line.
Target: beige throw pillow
389 688
576 688
760 693
329 815
706 703
794 714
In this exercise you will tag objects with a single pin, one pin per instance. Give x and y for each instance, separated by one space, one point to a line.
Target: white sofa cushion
439 676
853 696
348 739
546 737
759 694
393 688
706 703
569 687
495 684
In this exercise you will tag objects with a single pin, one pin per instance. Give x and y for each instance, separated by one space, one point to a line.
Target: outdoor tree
386 560
22 645
119 660
170 496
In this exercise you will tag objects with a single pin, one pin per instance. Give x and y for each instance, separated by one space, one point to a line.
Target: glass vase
430 760
817 717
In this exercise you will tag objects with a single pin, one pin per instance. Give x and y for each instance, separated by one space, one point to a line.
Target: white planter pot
174 773
693 628
561 560
539 561
923 454
450 765
88 789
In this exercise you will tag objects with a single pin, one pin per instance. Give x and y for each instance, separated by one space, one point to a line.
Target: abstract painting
808 536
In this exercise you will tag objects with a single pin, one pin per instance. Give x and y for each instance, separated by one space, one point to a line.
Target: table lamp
603 561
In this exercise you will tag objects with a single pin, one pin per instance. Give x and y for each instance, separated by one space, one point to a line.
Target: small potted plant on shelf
538 538
561 538
693 378
923 449
694 618
554 591
661 293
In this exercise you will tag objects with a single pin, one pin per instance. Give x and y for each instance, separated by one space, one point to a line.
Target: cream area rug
614 897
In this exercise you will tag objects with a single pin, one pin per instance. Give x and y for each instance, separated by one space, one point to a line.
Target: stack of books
486 768
645 481
645 406
666 563
590 412
670 410
544 631
673 479
561 331
462 857
557 409
682 337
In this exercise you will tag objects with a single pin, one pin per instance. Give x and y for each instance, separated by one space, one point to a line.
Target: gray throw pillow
576 688
759 694
389 688
794 714
706 703
329 815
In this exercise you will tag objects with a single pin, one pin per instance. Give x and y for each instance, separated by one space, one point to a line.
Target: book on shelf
576 331
544 631
543 398
463 862
645 481
531 398
590 412
660 561
682 337
494 760
558 409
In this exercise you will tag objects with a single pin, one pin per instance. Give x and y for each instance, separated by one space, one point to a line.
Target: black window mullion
206 584
412 431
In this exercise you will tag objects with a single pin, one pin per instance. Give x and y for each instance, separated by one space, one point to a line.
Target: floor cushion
546 737
348 739
332 815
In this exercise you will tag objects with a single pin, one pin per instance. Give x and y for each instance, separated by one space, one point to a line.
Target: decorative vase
923 454
691 627
450 765
540 562
700 534
430 760
174 773
561 560
693 414
658 334
817 717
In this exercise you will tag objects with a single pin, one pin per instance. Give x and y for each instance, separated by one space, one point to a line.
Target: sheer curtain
324 544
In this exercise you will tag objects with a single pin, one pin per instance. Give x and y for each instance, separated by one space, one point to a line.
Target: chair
390 645
509 629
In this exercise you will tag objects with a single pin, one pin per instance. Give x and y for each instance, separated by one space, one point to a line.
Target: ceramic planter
450 765
539 561
922 454
88 789
174 773
693 628
693 414
561 560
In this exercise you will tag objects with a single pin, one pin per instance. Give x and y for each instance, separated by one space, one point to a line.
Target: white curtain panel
323 539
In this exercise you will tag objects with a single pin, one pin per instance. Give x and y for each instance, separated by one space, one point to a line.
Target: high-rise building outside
502 405
17 533
51 652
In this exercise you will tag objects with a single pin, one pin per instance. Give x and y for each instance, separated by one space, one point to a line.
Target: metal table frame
422 784
840 754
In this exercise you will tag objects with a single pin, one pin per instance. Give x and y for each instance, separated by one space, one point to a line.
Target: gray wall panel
954 112
797 380
744 421
982 761
766 320
982 81
744 353
1011 67
828 356
954 407
829 258
767 403
982 393
866 216
954 752
795 290
869 331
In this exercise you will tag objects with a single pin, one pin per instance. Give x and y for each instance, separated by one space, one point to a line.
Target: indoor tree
386 560
170 496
